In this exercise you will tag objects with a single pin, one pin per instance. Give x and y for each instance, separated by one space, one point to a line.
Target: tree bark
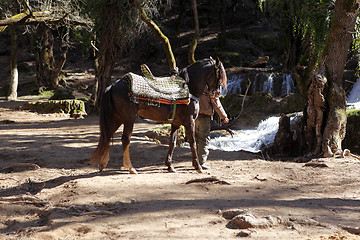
159 34
331 66
13 65
191 55
47 70
56 71
108 37
45 62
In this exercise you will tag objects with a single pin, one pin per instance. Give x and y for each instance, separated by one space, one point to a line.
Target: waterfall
234 84
274 83
249 140
353 99
269 85
287 84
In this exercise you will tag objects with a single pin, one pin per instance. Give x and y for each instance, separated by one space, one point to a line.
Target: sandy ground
68 199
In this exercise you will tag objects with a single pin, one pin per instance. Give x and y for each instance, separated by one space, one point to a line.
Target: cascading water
276 84
353 99
234 84
248 140
269 85
288 85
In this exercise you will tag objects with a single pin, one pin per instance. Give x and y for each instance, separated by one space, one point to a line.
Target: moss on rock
76 108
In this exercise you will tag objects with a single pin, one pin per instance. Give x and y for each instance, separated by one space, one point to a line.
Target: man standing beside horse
208 102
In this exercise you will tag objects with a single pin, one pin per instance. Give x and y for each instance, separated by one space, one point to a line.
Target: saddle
155 90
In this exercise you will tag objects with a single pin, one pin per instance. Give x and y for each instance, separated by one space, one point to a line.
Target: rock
161 135
352 230
248 220
260 62
293 102
229 214
62 94
76 108
243 234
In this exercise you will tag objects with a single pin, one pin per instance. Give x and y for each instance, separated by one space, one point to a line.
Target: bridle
218 74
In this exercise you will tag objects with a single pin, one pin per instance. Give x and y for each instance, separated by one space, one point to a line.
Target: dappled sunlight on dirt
68 199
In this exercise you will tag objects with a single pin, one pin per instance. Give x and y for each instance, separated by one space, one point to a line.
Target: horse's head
205 75
220 74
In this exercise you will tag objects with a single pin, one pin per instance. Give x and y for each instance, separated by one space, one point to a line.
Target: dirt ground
68 199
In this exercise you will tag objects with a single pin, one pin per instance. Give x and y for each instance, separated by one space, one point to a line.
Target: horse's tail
107 119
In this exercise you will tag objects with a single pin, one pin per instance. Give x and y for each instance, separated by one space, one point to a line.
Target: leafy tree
42 15
117 23
328 26
306 25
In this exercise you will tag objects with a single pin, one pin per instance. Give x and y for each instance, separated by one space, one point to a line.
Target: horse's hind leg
125 139
172 142
105 142
190 133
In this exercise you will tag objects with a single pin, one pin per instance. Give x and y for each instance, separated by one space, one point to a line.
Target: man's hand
226 120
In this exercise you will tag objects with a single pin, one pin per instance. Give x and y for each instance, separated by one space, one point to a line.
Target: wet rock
260 62
293 102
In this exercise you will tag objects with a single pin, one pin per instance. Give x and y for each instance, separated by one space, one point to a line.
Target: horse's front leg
190 133
125 139
172 143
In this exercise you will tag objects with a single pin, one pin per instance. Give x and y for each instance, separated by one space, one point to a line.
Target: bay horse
117 109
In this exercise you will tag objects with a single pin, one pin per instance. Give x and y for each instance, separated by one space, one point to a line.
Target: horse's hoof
101 167
133 170
171 169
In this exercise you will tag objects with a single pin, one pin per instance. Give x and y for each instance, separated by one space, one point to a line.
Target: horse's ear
218 62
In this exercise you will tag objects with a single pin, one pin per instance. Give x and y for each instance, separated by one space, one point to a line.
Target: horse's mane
217 64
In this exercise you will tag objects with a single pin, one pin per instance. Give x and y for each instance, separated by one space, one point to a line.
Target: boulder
76 108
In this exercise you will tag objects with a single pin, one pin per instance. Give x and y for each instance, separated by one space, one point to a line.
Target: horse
117 109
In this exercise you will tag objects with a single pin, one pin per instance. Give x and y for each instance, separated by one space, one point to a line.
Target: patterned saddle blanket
155 90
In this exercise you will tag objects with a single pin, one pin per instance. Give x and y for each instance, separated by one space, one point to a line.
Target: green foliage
122 13
46 94
302 18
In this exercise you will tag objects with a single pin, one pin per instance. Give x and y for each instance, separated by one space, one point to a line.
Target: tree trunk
331 66
45 62
56 72
104 65
47 71
191 55
160 35
13 65
108 36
